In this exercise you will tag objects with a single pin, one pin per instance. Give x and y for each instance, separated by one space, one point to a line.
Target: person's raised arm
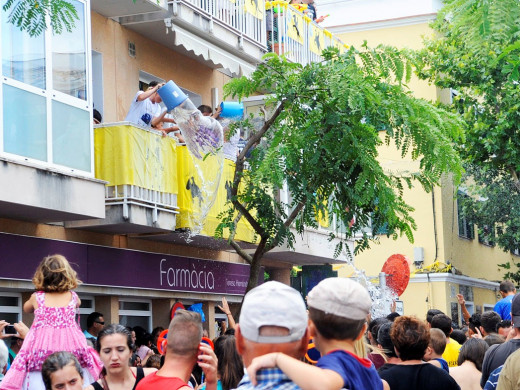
464 310
227 312
149 92
304 375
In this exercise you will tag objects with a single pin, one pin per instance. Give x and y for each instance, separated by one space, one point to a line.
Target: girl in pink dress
54 327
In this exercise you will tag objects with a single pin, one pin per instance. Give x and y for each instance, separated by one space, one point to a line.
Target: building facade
447 257
114 198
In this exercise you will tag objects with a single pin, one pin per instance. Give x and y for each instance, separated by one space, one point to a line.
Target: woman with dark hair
115 350
62 370
410 337
155 336
376 355
230 367
469 371
143 342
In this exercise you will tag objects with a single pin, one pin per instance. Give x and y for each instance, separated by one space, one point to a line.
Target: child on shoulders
338 308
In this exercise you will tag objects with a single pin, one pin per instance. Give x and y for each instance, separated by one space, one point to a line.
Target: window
46 105
486 235
136 312
88 305
466 229
11 307
69 63
488 307
454 312
23 57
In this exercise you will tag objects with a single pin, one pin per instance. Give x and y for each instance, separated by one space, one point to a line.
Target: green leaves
323 147
30 15
477 53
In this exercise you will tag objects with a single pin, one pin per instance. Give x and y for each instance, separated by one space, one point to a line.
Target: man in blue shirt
503 307
273 319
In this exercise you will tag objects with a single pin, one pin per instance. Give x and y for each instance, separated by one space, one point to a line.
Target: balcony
148 191
228 34
38 193
152 193
295 35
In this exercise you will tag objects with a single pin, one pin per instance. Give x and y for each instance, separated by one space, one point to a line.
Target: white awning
218 57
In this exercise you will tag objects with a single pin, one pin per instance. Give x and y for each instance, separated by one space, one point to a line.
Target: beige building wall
435 213
121 71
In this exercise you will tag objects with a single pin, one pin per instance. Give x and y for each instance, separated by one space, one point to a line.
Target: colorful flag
295 25
316 39
255 8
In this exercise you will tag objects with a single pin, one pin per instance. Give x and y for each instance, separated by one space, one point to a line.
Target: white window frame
137 313
12 309
50 94
86 311
487 307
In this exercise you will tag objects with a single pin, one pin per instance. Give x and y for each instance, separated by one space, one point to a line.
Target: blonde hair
54 274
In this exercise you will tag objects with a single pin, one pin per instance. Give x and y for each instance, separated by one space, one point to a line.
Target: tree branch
241 252
295 213
516 182
247 215
239 168
258 135
287 224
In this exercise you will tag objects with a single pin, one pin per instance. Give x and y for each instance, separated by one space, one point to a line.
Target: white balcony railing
295 35
246 17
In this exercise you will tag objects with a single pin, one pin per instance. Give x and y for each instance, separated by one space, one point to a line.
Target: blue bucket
232 110
171 95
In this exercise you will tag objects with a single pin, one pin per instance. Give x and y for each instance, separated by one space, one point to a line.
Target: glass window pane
25 123
135 321
71 136
9 301
69 69
10 317
23 57
86 303
140 306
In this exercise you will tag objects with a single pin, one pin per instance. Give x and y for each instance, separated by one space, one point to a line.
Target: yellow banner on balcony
129 155
188 198
255 8
295 25
316 39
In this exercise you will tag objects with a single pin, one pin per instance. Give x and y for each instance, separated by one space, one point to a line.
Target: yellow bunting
128 155
255 8
295 26
188 196
316 39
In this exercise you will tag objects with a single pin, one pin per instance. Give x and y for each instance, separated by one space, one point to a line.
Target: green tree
322 140
475 52
31 15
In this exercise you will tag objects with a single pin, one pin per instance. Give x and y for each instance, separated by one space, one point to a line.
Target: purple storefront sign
104 266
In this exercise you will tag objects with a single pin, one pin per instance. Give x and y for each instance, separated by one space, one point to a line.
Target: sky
345 12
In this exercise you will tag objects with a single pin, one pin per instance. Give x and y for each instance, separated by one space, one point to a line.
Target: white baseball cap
273 304
342 297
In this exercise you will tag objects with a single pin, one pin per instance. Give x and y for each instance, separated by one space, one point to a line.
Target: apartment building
447 257
114 198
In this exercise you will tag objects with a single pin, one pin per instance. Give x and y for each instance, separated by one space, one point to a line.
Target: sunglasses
100 322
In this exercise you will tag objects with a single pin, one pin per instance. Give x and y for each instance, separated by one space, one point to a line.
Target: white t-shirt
142 112
230 149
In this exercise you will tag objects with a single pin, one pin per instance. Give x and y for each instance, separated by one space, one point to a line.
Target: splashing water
382 296
204 139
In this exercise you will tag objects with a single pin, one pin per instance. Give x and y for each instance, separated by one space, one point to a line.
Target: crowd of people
266 349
